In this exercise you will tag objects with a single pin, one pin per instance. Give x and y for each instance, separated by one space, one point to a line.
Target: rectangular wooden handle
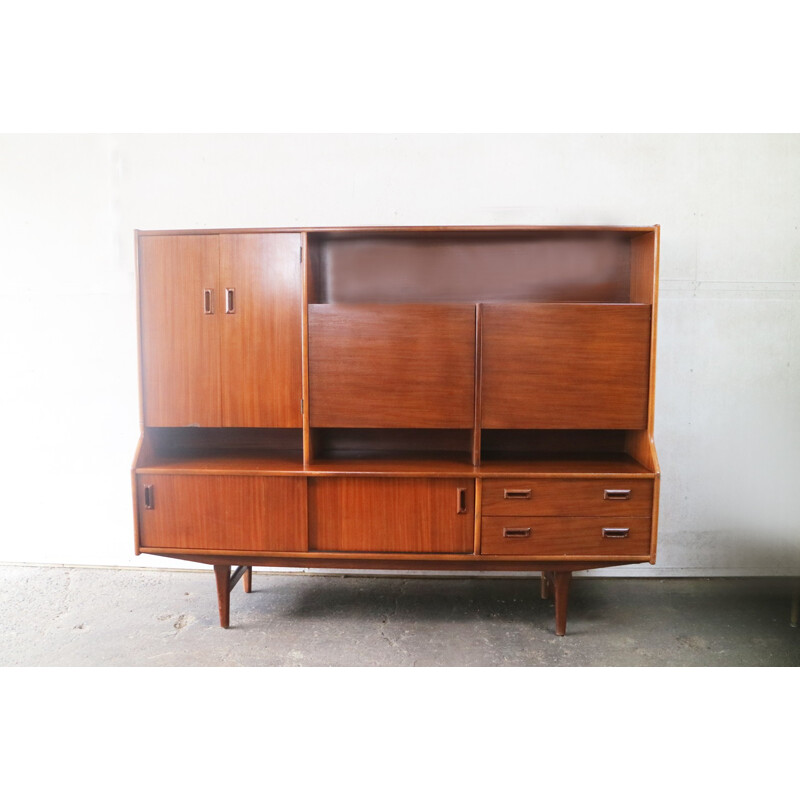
616 494
516 533
149 499
461 501
516 494
208 301
616 533
230 307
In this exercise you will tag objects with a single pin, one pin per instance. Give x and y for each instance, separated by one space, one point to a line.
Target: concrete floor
57 616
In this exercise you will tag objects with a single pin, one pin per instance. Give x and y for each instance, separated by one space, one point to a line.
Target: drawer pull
230 308
208 301
149 500
461 501
516 533
616 533
617 494
516 494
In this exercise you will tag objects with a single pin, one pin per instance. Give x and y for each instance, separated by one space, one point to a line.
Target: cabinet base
556 579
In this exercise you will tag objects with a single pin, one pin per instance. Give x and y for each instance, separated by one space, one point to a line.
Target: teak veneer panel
565 365
569 497
261 340
215 512
565 536
179 342
406 366
391 515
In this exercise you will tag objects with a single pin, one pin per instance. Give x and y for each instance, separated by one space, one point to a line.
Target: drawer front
222 512
391 515
565 536
579 497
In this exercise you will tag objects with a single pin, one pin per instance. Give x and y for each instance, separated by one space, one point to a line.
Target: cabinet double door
221 330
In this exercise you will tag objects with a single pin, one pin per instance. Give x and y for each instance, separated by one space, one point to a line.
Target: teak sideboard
398 398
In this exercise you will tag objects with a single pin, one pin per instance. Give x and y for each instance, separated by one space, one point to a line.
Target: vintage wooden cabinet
398 398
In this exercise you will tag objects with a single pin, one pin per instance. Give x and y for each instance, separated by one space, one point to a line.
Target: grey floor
57 616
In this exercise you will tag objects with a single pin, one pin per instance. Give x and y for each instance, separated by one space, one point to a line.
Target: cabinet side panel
179 341
391 515
261 349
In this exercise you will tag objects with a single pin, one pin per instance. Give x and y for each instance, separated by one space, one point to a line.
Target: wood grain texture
208 512
565 366
576 498
394 366
385 515
578 537
261 351
179 343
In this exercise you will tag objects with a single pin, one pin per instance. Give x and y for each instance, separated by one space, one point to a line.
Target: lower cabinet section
222 512
391 515
565 536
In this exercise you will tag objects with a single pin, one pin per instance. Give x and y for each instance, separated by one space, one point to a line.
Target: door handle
149 498
461 501
230 307
208 301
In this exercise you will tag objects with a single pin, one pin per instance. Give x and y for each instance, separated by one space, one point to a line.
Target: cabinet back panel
261 349
404 366
391 515
180 343
216 512
464 267
565 366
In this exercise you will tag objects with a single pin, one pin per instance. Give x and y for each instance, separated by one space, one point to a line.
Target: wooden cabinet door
179 323
565 365
222 512
391 515
260 327
385 366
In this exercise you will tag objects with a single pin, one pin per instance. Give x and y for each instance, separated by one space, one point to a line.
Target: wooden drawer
565 536
574 497
222 512
391 515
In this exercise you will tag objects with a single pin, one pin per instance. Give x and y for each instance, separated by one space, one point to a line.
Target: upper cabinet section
221 329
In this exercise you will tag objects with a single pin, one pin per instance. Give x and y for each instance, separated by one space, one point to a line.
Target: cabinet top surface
414 229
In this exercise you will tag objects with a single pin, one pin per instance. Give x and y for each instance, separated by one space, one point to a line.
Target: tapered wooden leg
248 580
562 581
222 572
543 587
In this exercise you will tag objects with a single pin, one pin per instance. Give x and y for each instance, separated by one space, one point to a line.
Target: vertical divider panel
478 513
308 455
476 426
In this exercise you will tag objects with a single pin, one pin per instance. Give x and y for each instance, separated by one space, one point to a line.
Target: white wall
728 378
